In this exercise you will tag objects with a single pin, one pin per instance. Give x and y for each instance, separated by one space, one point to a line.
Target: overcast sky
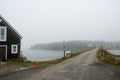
44 21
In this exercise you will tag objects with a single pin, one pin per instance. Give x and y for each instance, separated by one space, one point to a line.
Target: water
42 55
116 52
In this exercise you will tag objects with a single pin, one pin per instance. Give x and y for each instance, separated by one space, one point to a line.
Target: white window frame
12 51
5 35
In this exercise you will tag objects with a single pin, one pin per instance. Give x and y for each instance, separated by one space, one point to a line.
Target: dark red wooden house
10 41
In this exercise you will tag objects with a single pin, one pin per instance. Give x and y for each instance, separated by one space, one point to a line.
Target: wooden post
64 50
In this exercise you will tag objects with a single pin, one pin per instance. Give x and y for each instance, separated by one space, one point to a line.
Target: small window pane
14 48
0 20
2 31
3 34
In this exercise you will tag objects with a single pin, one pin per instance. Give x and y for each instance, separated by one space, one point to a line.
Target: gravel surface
82 67
6 69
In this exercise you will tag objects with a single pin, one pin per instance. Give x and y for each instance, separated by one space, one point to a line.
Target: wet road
23 74
82 67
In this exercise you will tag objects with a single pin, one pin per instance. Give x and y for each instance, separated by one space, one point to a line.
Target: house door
2 53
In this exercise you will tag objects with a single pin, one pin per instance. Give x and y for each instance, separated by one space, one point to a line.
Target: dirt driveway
82 67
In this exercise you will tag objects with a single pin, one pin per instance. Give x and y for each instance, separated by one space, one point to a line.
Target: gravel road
82 67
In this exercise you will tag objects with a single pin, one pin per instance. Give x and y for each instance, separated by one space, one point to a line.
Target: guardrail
105 52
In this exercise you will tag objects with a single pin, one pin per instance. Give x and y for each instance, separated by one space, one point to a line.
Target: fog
44 21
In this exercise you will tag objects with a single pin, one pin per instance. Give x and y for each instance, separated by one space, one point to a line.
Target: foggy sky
44 21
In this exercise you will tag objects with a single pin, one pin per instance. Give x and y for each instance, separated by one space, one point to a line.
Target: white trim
5 35
6 50
10 26
16 51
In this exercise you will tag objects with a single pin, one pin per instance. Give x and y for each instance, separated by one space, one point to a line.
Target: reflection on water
42 55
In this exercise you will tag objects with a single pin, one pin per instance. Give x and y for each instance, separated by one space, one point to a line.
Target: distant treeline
69 45
75 45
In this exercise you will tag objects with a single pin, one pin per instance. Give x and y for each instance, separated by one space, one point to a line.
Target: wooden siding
11 40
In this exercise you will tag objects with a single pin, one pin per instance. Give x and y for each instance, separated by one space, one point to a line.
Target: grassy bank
24 63
107 58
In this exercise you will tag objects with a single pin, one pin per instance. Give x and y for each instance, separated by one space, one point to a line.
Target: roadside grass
22 62
107 58
76 53
32 63
19 63
52 61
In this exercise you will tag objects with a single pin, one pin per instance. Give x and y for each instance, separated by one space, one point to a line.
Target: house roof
10 27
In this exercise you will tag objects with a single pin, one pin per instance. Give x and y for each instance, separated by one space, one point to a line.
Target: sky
45 21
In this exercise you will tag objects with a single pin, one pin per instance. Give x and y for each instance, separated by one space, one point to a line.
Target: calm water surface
116 52
42 55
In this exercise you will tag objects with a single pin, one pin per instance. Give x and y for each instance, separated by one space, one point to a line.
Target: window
14 48
0 20
2 33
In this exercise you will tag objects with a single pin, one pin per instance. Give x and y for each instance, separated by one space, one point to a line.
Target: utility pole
64 48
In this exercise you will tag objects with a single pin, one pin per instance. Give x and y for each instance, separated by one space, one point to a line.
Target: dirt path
82 67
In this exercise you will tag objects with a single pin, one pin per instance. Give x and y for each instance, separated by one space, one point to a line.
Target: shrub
107 58
22 58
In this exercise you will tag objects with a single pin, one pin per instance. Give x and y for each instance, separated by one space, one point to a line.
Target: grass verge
107 58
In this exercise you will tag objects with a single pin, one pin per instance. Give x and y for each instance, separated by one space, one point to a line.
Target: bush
107 58
22 58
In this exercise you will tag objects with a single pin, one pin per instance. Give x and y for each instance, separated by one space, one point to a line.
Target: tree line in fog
75 45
